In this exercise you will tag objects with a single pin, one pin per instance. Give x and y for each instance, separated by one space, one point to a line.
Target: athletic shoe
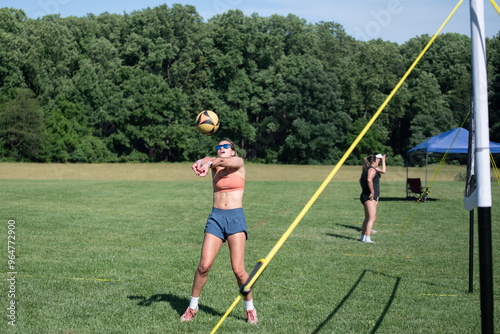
189 314
373 231
369 241
251 317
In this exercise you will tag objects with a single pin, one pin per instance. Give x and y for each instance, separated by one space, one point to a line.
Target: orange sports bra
226 179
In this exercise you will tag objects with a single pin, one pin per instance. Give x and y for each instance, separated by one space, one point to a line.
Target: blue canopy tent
440 144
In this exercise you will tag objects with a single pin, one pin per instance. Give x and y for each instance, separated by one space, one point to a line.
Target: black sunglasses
218 147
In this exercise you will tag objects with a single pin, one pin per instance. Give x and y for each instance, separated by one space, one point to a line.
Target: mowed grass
118 256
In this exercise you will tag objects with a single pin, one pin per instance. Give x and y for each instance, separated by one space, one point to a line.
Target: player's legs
367 217
209 250
236 243
371 211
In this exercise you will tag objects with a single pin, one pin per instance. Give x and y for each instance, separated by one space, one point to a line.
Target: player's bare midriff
228 200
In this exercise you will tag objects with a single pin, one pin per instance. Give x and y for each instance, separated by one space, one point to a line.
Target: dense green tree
432 114
449 60
127 87
69 139
493 53
379 67
11 23
371 143
309 112
22 129
137 118
50 56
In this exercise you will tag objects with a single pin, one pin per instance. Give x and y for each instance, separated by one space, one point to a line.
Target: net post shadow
346 297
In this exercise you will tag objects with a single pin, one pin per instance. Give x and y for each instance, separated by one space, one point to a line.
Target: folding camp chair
414 187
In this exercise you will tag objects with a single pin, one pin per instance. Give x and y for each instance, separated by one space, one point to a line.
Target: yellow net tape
496 6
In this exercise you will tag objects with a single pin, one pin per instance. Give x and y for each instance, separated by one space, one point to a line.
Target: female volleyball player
225 222
370 178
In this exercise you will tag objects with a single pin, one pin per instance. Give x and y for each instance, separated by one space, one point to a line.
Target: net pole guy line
264 263
441 163
495 169
426 191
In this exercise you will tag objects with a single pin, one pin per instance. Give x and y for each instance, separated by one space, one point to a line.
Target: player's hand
203 171
197 168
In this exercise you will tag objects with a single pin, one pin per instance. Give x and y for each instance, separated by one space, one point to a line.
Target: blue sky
392 20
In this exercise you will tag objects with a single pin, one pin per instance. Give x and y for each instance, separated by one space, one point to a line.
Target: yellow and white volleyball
207 122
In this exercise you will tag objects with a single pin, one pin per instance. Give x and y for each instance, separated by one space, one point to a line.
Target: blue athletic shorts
223 223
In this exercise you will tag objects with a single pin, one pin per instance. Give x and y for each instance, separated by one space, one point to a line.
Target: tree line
128 87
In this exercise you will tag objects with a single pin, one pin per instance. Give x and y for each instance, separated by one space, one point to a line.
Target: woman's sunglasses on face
226 146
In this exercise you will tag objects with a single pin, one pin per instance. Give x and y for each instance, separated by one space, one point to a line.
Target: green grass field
118 256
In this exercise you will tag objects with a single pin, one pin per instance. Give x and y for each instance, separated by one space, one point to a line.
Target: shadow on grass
348 295
341 236
355 228
394 199
387 307
403 199
177 303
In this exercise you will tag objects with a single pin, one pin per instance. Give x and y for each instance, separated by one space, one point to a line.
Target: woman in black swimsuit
370 178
